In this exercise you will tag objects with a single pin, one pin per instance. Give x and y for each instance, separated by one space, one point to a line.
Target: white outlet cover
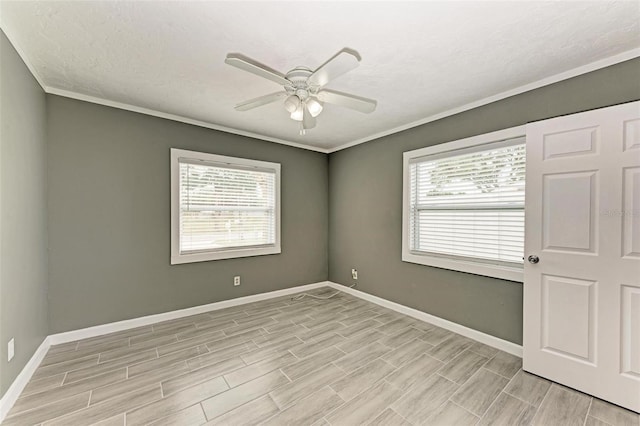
10 349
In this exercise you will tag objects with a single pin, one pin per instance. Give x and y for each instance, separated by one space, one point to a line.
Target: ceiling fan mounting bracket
298 75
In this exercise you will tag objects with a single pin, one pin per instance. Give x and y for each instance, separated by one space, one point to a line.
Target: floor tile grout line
346 375
461 385
478 353
458 356
637 415
204 413
285 375
157 354
496 373
502 390
511 380
236 407
494 403
66 372
401 416
458 405
131 409
352 398
68 396
584 422
517 397
134 364
67 360
544 398
53 418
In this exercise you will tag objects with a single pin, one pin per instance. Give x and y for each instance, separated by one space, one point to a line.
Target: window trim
231 253
443 261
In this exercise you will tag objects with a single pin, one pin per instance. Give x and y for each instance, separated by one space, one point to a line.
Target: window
223 207
464 205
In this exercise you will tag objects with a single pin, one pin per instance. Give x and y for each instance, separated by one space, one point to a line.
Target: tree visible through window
224 207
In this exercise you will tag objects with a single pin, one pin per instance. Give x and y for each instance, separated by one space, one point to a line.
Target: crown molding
584 69
593 66
146 111
174 117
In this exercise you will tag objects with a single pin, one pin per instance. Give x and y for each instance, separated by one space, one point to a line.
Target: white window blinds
225 207
469 204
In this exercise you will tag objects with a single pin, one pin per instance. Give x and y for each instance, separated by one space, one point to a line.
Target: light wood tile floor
342 361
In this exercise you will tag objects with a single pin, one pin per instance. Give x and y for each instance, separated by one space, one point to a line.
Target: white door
582 297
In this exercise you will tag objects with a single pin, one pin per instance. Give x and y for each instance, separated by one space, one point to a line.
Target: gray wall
23 213
109 199
107 210
365 200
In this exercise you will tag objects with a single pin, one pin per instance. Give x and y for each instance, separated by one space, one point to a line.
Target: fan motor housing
298 78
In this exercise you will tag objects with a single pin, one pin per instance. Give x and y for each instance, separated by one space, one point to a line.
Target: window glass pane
485 177
470 205
225 207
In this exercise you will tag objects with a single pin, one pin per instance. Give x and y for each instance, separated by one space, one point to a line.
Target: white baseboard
99 330
479 336
23 378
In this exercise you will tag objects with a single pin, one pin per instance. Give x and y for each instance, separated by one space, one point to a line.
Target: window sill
220 255
488 270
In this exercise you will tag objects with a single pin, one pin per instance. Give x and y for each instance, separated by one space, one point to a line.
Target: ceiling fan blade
247 64
308 121
340 63
346 100
262 100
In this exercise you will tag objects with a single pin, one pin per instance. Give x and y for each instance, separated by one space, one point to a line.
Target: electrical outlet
11 349
354 274
236 280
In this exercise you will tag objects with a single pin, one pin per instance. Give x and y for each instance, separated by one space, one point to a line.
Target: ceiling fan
304 90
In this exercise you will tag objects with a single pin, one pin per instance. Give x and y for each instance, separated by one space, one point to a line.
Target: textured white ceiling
418 59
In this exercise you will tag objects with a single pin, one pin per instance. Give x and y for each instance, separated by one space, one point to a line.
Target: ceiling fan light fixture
314 106
292 103
298 114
